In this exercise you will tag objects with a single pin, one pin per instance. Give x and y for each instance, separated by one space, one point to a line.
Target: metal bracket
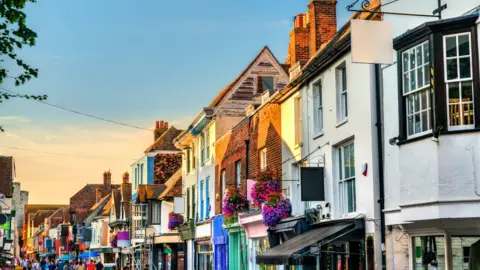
437 13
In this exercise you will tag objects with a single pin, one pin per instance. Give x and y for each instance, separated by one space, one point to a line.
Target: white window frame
207 144
317 108
342 180
223 176
298 120
458 79
238 172
342 93
420 92
263 159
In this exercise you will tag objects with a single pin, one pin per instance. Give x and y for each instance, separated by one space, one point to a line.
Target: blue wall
141 177
220 242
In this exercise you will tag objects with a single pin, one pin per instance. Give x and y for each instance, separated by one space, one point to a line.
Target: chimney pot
157 125
166 125
162 123
125 177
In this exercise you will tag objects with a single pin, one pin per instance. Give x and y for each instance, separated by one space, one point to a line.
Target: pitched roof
107 207
34 208
101 202
227 89
171 183
165 141
148 192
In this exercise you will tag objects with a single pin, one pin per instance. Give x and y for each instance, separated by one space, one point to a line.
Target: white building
432 145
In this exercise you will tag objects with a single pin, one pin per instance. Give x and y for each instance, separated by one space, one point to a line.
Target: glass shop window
429 252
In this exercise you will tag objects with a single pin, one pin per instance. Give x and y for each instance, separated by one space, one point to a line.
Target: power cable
61 154
81 113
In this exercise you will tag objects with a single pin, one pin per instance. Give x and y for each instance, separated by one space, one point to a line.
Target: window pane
425 121
418 127
267 83
465 67
453 92
410 108
351 196
420 77
344 78
463 45
346 161
410 125
467 91
426 53
452 69
340 171
423 255
462 249
454 111
424 98
411 57
418 52
405 61
406 83
451 46
352 161
416 100
468 114
413 80
426 75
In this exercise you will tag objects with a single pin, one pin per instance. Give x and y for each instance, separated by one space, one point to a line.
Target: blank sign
179 205
372 42
312 184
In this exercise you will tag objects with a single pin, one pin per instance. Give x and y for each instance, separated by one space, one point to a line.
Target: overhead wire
62 154
81 113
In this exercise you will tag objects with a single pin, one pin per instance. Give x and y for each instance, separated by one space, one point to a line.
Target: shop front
220 243
237 247
187 235
337 244
168 252
257 238
204 248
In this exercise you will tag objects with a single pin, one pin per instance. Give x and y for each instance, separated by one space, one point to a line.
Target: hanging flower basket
113 242
266 184
174 221
275 209
234 203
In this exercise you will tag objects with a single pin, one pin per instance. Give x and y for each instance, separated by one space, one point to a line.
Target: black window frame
434 33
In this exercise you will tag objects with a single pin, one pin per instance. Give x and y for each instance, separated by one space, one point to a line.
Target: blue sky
134 62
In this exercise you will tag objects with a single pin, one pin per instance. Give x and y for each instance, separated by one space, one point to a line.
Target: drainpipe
381 200
247 154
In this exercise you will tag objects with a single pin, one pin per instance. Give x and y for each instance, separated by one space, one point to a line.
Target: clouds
14 119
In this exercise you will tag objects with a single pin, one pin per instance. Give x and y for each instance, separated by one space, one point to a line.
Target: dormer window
265 83
438 78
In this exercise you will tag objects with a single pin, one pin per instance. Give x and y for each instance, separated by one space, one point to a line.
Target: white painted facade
431 185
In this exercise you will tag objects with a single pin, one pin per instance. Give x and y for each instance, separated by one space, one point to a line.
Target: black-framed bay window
438 79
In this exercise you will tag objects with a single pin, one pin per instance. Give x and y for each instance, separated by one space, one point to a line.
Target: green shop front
187 235
237 247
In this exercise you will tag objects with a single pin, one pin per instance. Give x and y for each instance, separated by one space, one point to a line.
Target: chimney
98 195
107 180
125 177
298 49
322 17
160 128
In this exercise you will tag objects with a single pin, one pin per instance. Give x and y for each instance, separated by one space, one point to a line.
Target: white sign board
178 205
372 42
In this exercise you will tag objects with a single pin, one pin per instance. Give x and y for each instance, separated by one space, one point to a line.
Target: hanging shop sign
203 231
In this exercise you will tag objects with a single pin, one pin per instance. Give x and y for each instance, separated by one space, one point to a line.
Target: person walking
91 265
99 265
36 265
80 266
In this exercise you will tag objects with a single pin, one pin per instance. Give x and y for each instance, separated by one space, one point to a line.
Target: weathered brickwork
6 175
262 129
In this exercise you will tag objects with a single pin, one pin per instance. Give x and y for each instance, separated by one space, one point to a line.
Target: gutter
379 125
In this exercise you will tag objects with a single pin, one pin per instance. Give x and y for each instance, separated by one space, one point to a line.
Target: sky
133 62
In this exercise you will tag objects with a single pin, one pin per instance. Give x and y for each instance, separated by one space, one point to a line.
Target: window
207 143
202 149
188 203
194 204
466 254
201 200
265 83
459 80
141 174
238 172
194 159
317 108
207 196
342 99
223 188
155 212
263 159
429 253
188 160
416 83
346 161
298 120
135 177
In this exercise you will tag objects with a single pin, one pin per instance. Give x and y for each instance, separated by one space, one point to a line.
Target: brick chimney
160 128
126 193
298 49
107 180
98 195
322 15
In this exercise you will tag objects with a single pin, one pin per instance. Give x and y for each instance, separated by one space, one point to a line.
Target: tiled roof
99 203
34 208
147 192
174 181
165 141
107 207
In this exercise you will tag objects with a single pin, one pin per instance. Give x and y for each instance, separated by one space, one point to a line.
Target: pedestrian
147 267
80 266
25 264
36 265
43 264
91 265
99 265
29 265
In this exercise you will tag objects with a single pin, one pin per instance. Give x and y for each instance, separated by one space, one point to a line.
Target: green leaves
14 33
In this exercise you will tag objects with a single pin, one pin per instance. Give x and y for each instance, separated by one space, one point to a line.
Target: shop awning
285 253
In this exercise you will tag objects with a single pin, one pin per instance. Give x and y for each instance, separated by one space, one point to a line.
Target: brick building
85 198
6 175
260 133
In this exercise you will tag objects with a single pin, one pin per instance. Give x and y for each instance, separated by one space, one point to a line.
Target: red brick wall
6 175
85 198
323 22
263 130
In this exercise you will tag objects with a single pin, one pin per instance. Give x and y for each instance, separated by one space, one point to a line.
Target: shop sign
115 250
203 231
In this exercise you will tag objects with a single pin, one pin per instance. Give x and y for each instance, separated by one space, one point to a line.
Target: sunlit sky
133 62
